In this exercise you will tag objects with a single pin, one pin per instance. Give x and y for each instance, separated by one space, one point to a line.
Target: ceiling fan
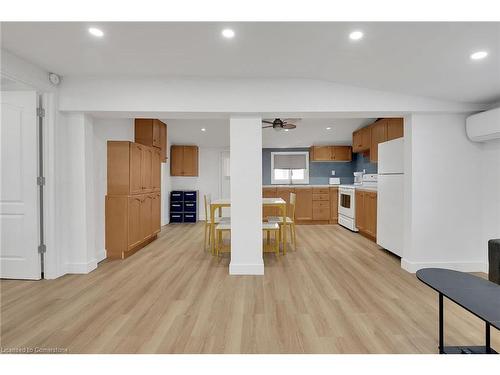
278 124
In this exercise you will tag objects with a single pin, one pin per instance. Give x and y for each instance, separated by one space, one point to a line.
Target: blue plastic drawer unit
183 206
189 218
189 206
190 196
176 218
176 196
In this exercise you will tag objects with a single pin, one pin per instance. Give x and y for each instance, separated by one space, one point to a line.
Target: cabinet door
356 141
190 161
321 210
341 153
146 177
156 170
359 209
378 135
176 160
135 166
370 208
284 193
146 225
269 193
163 142
303 210
156 133
134 222
156 213
366 138
321 153
394 128
334 204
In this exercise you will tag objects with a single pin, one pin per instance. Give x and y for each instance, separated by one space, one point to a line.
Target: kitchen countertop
360 187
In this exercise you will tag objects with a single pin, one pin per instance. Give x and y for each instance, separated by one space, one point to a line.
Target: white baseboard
101 256
413 267
81 267
246 269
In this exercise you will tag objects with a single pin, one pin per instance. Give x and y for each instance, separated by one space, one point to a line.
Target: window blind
290 161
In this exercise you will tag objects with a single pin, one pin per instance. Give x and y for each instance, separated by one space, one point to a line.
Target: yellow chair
208 233
290 220
220 229
267 247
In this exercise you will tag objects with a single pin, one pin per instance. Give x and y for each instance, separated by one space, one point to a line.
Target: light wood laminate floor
339 293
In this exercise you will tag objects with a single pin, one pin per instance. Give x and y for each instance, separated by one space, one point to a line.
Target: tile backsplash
320 172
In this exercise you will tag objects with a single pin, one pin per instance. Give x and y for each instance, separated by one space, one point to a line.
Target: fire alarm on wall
54 79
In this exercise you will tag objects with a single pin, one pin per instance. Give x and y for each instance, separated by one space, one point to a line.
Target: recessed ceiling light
328 128
479 55
228 33
356 35
203 129
96 32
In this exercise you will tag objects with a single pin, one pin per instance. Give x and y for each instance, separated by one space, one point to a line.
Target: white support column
246 195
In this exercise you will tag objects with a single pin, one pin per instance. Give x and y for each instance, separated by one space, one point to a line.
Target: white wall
105 130
208 181
490 191
443 196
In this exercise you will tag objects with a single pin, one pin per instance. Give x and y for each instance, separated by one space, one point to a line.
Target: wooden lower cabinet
131 223
366 213
334 205
304 208
269 192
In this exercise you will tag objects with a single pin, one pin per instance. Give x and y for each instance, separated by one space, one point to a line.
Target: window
290 167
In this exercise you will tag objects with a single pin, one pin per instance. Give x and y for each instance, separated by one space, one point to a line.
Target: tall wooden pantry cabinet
133 200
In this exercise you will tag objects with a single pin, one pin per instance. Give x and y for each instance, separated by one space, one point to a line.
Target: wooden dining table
218 204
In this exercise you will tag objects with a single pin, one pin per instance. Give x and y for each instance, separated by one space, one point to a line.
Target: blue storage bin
177 196
190 196
190 206
176 218
176 206
190 218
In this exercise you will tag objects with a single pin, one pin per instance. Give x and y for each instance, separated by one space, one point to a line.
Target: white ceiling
429 59
310 131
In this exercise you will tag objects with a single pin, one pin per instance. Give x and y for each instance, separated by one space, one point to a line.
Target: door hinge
42 248
40 181
40 112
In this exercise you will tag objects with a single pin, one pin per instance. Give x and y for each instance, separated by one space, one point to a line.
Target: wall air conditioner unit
483 126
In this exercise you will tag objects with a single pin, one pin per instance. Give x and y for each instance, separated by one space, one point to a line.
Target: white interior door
19 237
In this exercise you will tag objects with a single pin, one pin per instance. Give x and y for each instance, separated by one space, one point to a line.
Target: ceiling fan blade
288 126
267 122
267 127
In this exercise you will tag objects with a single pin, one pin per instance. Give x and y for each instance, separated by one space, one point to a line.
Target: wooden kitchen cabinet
320 153
379 135
152 133
366 213
304 207
395 128
361 140
320 204
269 192
184 161
132 168
334 205
284 193
132 208
330 153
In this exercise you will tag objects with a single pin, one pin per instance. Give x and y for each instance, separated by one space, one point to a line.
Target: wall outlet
333 172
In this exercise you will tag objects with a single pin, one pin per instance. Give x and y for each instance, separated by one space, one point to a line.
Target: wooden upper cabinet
146 170
184 161
152 133
361 139
135 167
330 153
357 141
320 153
378 135
341 153
304 206
395 128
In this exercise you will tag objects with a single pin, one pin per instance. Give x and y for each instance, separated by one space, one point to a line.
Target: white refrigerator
390 199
